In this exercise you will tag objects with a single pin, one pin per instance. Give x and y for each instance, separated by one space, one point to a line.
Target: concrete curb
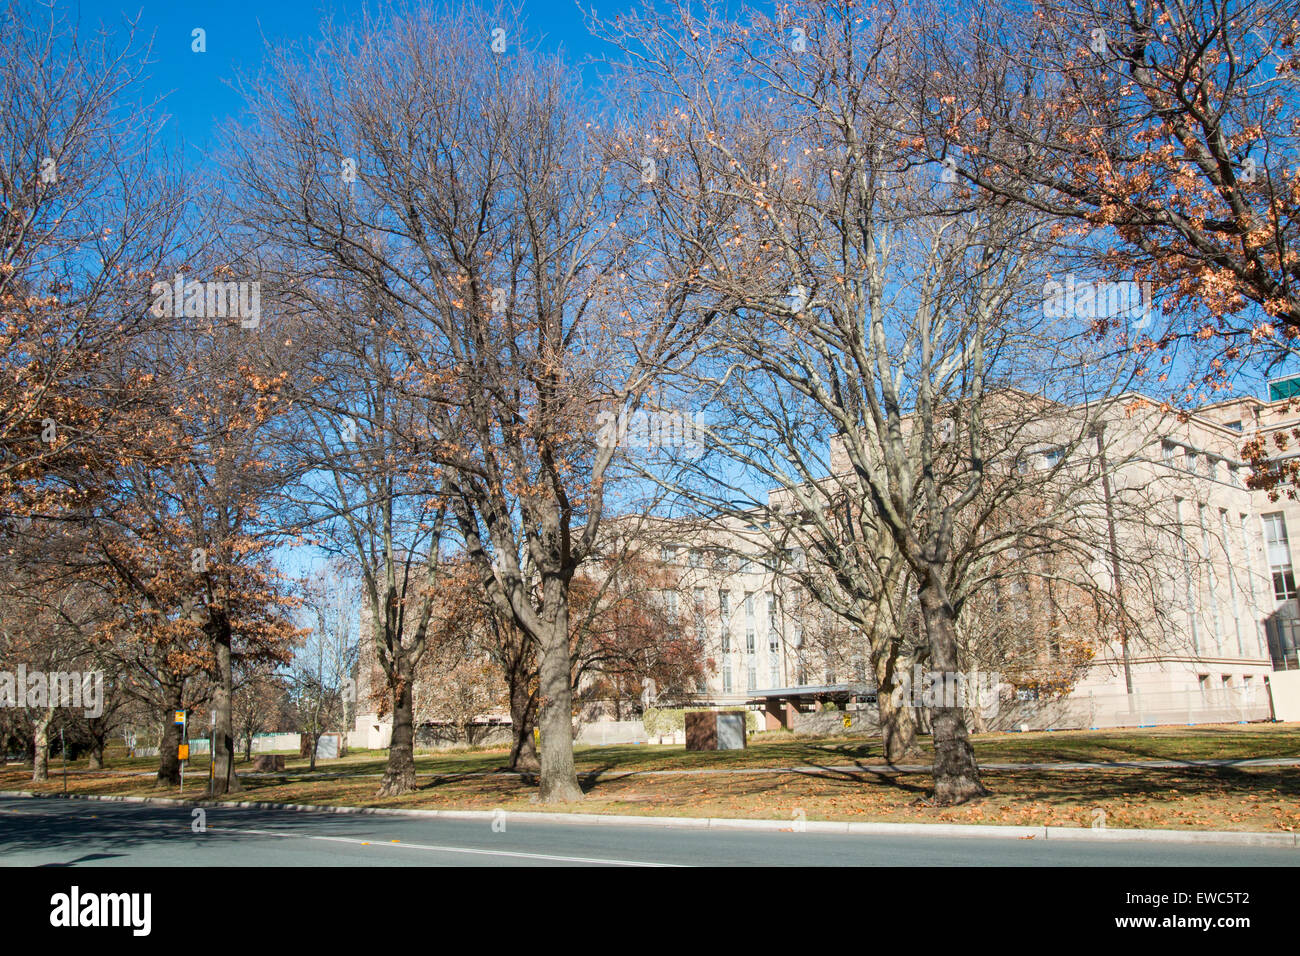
960 830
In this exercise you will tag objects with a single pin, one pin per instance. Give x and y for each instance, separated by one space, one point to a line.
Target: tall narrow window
773 643
1208 557
1279 556
1189 597
1232 580
1248 550
701 630
749 623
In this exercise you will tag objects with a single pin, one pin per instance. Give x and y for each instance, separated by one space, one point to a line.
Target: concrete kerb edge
1219 837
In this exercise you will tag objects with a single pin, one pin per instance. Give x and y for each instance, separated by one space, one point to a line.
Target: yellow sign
179 717
183 752
848 721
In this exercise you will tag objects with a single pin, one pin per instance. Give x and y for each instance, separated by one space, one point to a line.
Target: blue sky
197 86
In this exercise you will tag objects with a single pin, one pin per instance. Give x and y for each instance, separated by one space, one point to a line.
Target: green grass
1226 741
1231 741
1246 798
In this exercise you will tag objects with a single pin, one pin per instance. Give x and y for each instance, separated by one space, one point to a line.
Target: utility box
329 746
715 730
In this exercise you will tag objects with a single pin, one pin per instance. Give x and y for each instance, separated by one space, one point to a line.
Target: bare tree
884 333
469 205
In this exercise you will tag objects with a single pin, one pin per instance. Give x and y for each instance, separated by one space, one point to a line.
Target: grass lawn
1229 798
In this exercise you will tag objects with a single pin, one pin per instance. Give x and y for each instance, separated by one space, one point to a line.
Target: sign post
212 751
181 718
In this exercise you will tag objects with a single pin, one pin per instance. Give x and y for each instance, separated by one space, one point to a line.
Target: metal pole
64 747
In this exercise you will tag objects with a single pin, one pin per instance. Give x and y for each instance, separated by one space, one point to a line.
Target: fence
262 743
602 732
1141 709
1079 712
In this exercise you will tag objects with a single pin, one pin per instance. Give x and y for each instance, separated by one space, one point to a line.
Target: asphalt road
82 833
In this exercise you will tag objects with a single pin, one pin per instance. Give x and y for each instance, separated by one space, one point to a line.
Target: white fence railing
1141 709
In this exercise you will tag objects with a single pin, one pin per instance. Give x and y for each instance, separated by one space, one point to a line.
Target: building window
1232 580
1284 643
1212 464
701 630
1188 594
726 673
1208 557
1190 461
751 676
1279 556
1235 426
668 553
1250 577
724 614
749 623
1169 451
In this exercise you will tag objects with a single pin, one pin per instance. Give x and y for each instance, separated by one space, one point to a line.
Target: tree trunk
897 717
96 761
559 779
169 764
248 749
41 741
956 775
224 778
523 718
399 776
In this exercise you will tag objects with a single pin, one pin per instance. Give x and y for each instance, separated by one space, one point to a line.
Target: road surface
47 832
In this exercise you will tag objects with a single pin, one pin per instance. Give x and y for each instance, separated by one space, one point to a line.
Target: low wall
1095 711
1148 709
602 733
828 723
433 737
262 743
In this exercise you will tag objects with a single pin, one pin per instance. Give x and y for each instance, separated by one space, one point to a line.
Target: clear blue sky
197 86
